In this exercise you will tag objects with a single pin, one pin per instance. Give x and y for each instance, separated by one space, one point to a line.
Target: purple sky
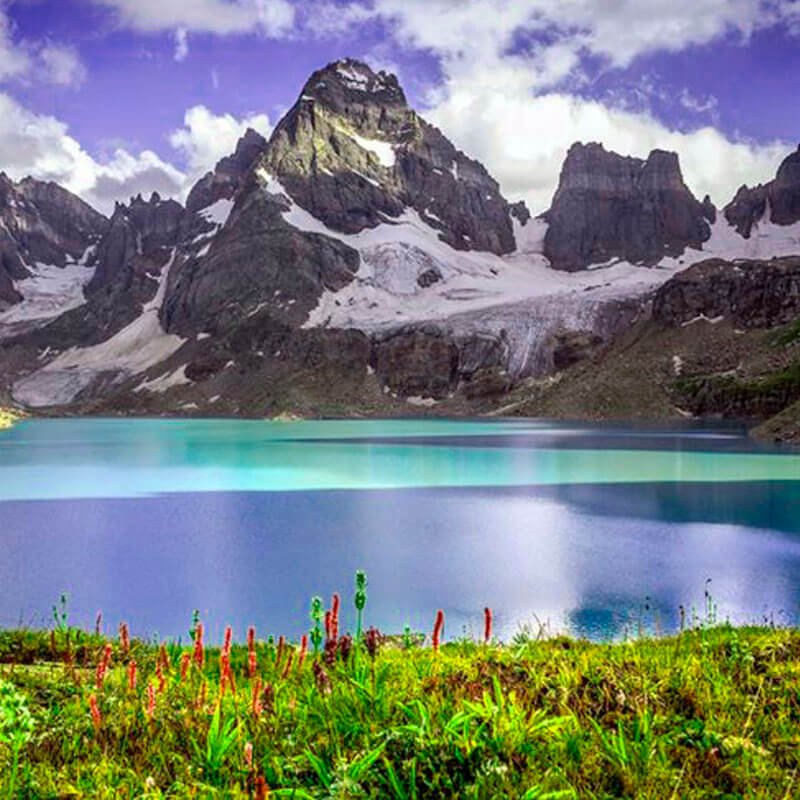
737 75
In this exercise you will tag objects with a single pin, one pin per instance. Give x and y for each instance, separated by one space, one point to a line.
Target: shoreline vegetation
713 711
7 418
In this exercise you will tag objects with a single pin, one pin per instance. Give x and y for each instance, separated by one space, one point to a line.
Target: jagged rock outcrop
777 201
225 180
353 153
609 206
42 223
752 294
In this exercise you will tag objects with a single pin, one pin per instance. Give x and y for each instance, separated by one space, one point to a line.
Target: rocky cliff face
353 153
777 201
609 206
42 223
752 294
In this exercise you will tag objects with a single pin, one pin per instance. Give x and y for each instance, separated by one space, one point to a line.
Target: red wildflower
487 625
285 673
256 702
163 658
162 681
226 647
132 675
102 667
251 639
124 637
199 654
248 755
186 659
262 790
252 663
97 719
303 651
437 629
328 625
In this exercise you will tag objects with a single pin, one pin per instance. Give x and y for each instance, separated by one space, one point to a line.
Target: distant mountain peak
350 80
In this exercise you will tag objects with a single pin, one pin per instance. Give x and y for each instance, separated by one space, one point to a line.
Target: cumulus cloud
523 138
223 17
40 145
50 62
62 65
206 137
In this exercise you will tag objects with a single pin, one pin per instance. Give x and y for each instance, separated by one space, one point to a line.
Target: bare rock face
753 294
41 223
353 153
429 361
609 206
777 201
225 180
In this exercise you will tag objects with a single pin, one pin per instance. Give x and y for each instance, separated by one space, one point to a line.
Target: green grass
713 712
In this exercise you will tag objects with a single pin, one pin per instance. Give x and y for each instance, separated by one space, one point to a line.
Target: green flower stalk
360 600
317 614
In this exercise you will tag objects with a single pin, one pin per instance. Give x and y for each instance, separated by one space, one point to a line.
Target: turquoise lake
597 530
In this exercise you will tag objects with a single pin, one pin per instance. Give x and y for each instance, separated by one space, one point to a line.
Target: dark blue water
596 558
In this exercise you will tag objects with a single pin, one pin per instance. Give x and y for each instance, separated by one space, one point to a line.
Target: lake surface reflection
597 530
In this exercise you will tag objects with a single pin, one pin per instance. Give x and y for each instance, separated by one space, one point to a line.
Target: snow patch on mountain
132 350
383 150
48 292
218 212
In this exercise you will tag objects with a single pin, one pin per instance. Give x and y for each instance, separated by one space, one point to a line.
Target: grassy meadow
711 712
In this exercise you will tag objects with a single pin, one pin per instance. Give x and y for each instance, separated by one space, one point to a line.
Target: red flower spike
186 660
132 675
262 790
97 719
199 653
303 652
438 627
255 705
487 625
124 638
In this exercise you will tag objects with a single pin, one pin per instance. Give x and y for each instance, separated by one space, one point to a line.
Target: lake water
596 530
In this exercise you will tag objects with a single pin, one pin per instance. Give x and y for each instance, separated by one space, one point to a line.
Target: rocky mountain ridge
357 261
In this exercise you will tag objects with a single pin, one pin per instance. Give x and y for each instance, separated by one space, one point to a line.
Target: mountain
357 263
42 224
609 207
775 202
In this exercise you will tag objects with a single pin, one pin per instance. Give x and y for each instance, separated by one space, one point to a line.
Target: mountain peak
349 80
612 206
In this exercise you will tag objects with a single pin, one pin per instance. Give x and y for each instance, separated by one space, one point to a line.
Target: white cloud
522 139
206 137
62 65
14 59
39 145
223 17
181 44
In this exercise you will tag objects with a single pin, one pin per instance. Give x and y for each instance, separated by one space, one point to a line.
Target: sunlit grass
712 712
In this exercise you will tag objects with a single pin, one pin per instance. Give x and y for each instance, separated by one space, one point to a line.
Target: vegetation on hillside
711 712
